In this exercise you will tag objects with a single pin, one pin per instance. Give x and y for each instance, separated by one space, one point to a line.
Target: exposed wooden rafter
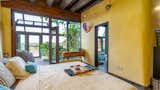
57 2
34 8
71 4
65 3
79 4
49 2
87 5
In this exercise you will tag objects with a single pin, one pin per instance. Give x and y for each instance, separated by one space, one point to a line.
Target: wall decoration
87 27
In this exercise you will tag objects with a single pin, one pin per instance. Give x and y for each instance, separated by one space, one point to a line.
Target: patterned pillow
6 77
17 66
19 61
2 82
27 56
4 60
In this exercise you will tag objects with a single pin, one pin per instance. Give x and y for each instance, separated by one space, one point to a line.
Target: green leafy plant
74 36
44 47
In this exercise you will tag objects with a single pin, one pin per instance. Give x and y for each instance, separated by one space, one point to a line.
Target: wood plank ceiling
65 9
70 5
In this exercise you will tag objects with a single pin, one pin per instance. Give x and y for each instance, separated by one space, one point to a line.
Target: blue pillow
31 67
4 88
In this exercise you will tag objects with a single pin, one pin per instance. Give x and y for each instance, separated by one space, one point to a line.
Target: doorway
101 47
42 46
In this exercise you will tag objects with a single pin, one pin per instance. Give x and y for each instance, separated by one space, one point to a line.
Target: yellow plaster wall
6 30
130 37
0 33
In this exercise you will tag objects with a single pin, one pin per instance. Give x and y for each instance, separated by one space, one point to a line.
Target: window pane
44 47
104 44
45 30
99 44
46 19
101 31
20 28
33 29
21 42
38 23
45 39
62 25
34 45
18 16
20 22
54 55
74 36
53 32
32 17
62 45
55 22
28 22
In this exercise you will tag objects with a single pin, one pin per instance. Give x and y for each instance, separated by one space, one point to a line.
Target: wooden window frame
14 32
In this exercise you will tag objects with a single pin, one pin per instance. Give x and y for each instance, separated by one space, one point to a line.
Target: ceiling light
157 8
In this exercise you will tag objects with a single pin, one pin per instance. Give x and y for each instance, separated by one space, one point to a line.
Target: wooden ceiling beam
33 8
65 3
49 2
80 4
87 5
57 2
69 6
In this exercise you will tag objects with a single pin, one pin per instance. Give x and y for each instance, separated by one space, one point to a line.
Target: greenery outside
73 38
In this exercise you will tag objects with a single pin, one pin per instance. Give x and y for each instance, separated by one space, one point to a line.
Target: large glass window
33 35
62 24
74 36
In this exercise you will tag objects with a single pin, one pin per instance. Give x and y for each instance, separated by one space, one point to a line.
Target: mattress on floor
53 77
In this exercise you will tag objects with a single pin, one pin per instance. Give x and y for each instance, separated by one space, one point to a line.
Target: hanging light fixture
109 5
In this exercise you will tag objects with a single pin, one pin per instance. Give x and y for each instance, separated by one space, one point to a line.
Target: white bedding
53 77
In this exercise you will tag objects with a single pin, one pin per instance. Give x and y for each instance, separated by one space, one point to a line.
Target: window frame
14 33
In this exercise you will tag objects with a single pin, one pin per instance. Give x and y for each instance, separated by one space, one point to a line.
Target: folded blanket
90 68
78 69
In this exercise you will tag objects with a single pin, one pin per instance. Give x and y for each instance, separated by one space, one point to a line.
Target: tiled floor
41 62
102 68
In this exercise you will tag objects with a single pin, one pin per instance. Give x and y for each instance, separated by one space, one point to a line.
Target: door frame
106 24
57 44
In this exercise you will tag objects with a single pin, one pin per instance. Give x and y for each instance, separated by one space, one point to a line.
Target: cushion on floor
31 67
78 69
